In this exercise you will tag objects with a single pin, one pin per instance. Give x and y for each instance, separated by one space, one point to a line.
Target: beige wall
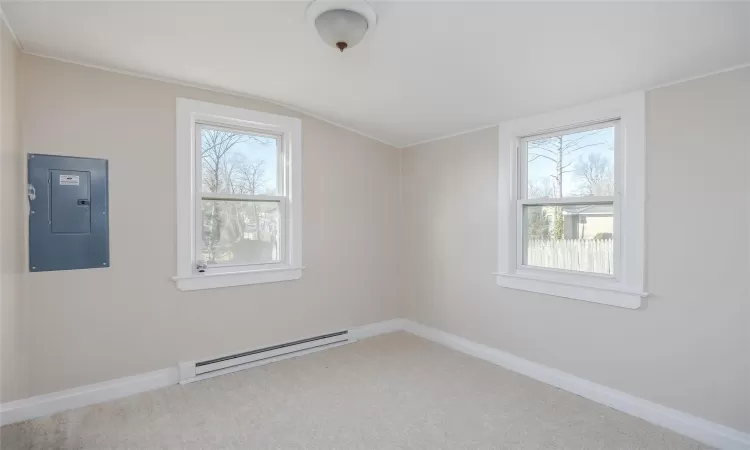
12 256
95 325
686 349
689 348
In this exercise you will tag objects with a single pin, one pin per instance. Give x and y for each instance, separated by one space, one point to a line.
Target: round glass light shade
341 28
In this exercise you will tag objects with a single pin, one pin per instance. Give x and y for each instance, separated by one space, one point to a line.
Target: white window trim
626 289
290 129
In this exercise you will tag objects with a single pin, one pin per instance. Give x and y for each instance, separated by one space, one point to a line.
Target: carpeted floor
394 391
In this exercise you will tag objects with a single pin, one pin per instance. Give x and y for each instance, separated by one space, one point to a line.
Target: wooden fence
585 255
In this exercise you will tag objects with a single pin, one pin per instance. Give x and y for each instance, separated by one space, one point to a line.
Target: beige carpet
394 391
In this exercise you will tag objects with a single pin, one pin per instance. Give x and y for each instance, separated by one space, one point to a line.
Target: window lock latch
201 266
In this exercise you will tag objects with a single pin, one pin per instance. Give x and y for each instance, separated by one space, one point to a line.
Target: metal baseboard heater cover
199 370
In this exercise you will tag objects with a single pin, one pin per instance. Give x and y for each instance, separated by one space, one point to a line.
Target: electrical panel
68 213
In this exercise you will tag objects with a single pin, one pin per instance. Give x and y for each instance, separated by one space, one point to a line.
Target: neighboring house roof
588 210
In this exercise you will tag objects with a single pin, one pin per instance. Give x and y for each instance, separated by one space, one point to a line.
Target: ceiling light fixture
341 24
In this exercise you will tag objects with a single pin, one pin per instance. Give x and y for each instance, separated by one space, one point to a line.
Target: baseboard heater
198 370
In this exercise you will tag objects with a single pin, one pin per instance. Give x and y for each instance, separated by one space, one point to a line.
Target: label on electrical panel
69 180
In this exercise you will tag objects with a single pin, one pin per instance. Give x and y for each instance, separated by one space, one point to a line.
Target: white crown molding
659 86
209 88
698 77
302 110
448 136
10 29
219 90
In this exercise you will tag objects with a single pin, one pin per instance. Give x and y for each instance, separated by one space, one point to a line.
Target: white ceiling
428 69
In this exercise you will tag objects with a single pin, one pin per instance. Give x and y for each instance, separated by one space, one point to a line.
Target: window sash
570 129
230 267
282 183
235 129
191 112
521 239
523 200
627 291
241 197
587 200
523 152
282 179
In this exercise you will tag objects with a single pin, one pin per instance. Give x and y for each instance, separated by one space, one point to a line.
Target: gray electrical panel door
70 201
68 214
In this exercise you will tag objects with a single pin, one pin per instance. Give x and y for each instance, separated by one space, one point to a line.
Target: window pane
236 232
569 237
238 162
572 165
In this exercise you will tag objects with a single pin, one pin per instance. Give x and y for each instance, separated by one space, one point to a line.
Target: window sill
229 279
609 295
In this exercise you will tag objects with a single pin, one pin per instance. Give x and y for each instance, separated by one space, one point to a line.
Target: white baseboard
374 329
45 405
699 429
